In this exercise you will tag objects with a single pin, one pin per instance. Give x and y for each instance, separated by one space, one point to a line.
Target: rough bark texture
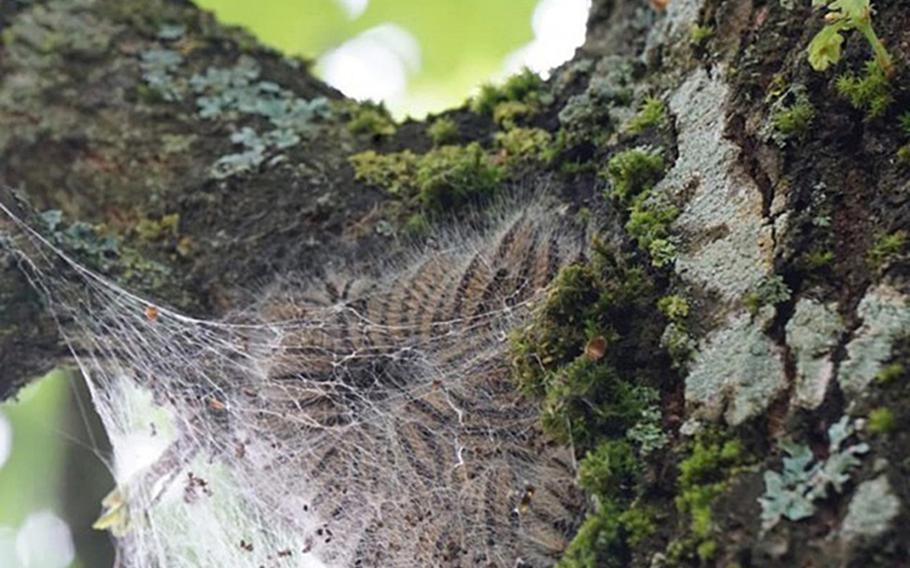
93 125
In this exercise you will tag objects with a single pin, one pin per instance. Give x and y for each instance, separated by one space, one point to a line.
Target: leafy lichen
792 492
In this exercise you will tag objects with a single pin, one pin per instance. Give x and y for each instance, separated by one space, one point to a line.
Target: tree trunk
788 244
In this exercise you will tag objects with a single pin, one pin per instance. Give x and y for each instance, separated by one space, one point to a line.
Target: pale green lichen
872 511
886 318
737 374
237 92
729 242
812 335
792 492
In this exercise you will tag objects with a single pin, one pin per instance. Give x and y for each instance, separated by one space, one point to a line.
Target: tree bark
93 125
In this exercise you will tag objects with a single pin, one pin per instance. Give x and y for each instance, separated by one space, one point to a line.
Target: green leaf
825 48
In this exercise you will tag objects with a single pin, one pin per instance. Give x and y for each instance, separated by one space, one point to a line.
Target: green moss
699 35
452 176
371 119
524 87
598 542
881 421
653 113
904 122
610 471
816 259
795 120
509 114
521 144
443 131
870 92
158 229
678 342
649 222
889 373
417 225
886 248
639 525
556 335
632 172
393 172
444 178
903 155
769 292
676 308
703 476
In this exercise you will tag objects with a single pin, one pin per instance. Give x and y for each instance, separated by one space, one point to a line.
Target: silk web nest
351 420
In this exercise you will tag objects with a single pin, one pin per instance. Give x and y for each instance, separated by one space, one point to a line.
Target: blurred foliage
462 43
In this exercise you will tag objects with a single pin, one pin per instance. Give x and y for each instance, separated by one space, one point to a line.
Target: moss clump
393 172
524 87
444 178
633 172
452 176
889 373
795 120
649 224
699 35
598 542
443 131
509 114
870 92
903 155
610 471
881 421
703 476
371 119
653 112
886 248
769 292
556 336
521 144
675 307
610 474
587 400
816 259
904 122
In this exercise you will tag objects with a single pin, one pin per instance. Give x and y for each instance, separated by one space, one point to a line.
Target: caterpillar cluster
357 419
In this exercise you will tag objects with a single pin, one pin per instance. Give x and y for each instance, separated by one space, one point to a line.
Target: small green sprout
886 247
795 120
699 35
870 92
826 47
